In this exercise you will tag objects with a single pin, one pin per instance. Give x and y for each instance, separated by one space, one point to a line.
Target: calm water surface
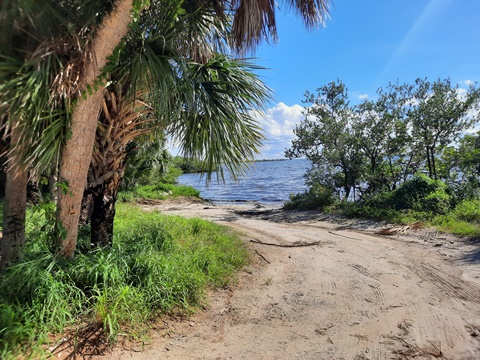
268 182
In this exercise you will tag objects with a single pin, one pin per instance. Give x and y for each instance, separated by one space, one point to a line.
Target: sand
323 287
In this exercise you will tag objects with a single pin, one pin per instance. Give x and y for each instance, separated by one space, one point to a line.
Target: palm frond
313 12
254 20
41 68
215 124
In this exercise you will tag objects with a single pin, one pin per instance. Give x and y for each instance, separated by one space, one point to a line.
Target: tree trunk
434 168
14 206
104 212
121 121
428 162
77 151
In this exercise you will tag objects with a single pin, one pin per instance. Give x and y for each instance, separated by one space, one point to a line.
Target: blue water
268 182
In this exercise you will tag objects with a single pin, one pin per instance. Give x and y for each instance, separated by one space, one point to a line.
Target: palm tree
120 123
14 204
99 32
252 20
35 87
210 94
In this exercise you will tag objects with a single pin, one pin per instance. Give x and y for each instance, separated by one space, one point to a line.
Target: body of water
268 182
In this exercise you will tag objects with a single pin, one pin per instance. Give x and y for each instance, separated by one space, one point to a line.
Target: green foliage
147 162
39 41
468 210
421 194
463 220
217 124
378 145
460 167
159 187
157 264
161 191
325 137
439 116
358 210
315 198
189 166
49 231
419 197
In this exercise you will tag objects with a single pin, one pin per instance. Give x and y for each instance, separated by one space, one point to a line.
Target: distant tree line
407 131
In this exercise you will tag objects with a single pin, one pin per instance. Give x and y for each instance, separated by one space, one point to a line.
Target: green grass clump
463 220
356 210
157 264
160 191
468 210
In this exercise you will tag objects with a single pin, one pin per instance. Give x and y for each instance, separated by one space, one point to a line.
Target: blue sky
366 44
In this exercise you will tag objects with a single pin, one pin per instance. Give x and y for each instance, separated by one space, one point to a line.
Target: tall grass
160 191
157 264
464 219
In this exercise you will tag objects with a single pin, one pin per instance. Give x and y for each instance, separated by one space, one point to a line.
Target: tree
251 21
372 132
398 159
439 114
99 30
211 92
35 39
459 166
14 204
327 139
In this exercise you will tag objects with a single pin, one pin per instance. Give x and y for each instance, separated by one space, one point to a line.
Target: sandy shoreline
343 293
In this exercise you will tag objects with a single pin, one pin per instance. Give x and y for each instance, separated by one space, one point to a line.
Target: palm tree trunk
74 163
120 123
14 206
104 211
77 152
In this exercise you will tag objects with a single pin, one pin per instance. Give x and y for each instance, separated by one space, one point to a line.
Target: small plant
267 281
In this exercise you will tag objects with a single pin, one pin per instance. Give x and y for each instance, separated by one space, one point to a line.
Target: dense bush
468 210
357 210
317 197
189 166
420 194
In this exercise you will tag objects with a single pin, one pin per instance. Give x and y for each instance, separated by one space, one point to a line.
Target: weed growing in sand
268 281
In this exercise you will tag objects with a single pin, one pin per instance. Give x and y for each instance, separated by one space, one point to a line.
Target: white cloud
278 123
467 82
363 96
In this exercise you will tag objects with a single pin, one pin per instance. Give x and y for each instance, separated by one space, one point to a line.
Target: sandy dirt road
351 295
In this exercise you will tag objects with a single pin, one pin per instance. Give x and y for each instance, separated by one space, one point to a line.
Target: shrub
316 198
468 210
354 210
421 194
